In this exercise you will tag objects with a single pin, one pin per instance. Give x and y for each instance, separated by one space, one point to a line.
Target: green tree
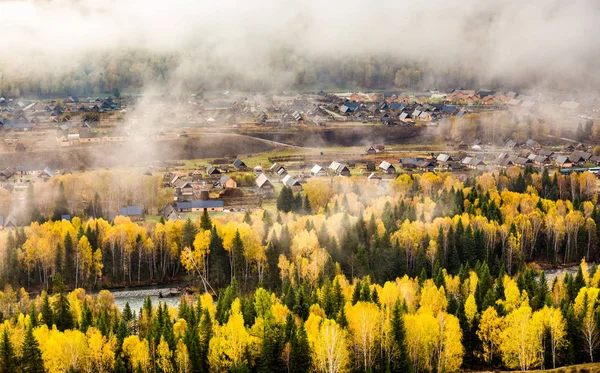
400 361
285 199
63 318
8 360
46 311
300 358
61 205
31 356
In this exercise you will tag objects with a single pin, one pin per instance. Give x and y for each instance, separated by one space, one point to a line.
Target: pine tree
61 206
286 200
46 311
58 261
87 317
302 304
33 213
237 256
188 234
31 356
300 357
205 333
63 318
205 221
69 266
400 361
8 360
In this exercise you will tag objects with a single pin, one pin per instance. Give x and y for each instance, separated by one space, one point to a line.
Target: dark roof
238 163
211 203
130 210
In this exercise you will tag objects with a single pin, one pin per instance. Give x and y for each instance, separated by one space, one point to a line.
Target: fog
502 43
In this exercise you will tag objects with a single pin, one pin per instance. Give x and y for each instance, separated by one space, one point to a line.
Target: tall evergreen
205 221
61 206
69 263
400 362
31 356
8 360
300 356
285 200
46 311
63 318
188 233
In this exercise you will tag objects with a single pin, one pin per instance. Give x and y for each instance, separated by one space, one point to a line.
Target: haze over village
333 187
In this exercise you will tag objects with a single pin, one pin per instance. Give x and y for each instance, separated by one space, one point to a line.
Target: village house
563 162
371 150
426 165
373 177
169 213
212 171
317 171
522 162
200 205
184 190
387 167
46 173
579 158
289 181
339 169
239 165
227 182
135 213
197 176
6 174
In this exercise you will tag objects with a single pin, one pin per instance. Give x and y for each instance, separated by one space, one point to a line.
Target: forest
432 275
135 70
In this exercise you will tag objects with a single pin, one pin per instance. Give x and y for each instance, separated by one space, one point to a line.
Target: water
551 274
136 296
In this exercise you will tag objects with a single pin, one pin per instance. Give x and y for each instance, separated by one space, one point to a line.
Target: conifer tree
400 361
63 318
8 360
46 311
300 357
31 356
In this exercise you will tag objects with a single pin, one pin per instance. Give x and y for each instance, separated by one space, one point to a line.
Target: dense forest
134 70
433 274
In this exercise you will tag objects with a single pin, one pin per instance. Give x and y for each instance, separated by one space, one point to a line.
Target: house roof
316 169
47 171
130 210
426 163
334 165
372 176
263 180
466 160
238 163
385 165
561 159
212 170
522 161
443 158
224 179
408 160
290 181
569 105
211 203
579 156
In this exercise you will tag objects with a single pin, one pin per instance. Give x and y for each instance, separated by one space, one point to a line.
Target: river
135 296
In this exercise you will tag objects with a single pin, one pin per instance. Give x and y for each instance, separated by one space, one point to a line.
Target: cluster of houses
404 109
29 116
